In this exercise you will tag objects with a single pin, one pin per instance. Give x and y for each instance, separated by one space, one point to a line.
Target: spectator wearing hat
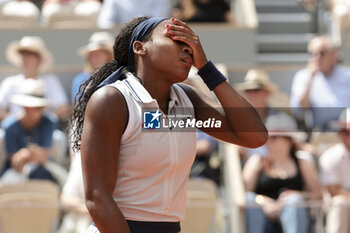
257 88
279 184
335 173
34 59
96 53
28 137
24 13
321 90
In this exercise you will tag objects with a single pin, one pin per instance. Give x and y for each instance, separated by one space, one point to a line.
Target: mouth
187 60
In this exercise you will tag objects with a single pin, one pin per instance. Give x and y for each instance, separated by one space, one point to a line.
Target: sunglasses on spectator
320 53
254 90
278 136
28 52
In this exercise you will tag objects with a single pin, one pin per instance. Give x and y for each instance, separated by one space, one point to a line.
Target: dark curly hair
120 53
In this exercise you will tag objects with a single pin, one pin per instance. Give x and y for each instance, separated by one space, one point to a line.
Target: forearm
263 200
241 116
39 154
304 100
312 195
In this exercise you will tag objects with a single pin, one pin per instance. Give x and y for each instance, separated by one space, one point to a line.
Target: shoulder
332 155
80 76
254 162
12 80
301 74
9 123
306 165
49 119
106 103
342 70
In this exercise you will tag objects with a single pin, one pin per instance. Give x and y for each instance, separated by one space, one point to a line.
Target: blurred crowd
109 13
281 178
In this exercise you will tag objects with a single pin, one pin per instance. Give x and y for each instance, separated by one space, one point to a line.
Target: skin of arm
251 171
304 99
25 155
312 183
241 124
105 121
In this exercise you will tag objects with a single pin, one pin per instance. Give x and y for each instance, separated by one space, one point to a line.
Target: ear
139 48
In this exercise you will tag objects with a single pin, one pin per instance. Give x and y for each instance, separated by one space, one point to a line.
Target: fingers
179 31
180 24
182 33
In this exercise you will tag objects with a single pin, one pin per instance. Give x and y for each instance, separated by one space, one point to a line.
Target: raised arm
241 123
105 120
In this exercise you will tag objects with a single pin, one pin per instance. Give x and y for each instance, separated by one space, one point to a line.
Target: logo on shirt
151 119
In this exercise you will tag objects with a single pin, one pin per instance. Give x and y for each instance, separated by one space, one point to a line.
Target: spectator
335 173
206 163
96 53
203 11
257 89
279 184
115 12
56 12
76 218
32 56
28 138
323 86
21 9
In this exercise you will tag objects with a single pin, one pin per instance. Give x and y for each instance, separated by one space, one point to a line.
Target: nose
187 49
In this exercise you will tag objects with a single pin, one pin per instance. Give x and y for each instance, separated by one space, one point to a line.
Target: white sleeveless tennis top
153 166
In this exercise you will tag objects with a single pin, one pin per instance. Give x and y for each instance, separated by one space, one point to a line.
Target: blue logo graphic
151 119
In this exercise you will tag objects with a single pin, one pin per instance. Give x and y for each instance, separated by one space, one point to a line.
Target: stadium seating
30 207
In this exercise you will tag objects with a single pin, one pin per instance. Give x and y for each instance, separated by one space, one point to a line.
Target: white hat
282 124
98 40
256 79
31 94
29 43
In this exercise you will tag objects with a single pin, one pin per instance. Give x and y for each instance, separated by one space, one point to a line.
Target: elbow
257 139
93 201
261 139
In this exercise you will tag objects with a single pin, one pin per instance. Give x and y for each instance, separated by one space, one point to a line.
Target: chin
181 78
